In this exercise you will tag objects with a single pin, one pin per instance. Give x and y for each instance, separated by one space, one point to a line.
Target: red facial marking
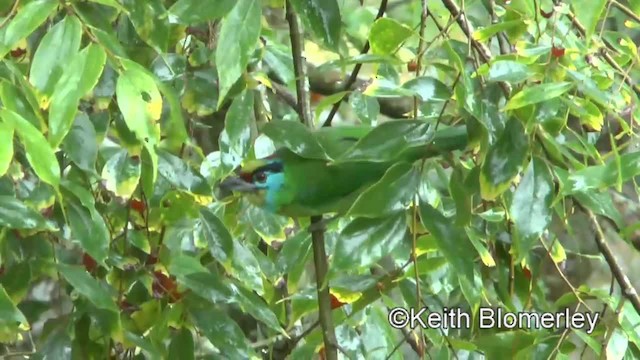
246 176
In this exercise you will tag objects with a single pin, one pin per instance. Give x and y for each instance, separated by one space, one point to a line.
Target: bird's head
259 180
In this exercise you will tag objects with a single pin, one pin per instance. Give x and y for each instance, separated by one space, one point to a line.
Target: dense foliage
119 117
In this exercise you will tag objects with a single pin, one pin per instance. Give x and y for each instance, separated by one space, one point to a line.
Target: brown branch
623 281
317 235
354 73
467 29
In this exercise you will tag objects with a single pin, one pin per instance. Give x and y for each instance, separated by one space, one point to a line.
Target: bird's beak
234 183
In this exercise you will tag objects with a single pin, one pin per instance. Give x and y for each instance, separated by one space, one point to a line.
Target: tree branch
354 73
627 288
317 235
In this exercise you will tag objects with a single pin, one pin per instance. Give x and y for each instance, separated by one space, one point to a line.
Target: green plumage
289 184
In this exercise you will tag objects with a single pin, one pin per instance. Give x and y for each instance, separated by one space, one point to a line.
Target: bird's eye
260 177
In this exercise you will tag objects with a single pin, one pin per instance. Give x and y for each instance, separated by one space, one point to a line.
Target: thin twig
467 29
12 12
626 287
354 73
317 235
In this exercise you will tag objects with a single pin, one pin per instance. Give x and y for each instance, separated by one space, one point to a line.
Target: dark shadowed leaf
461 196
85 285
365 241
238 37
451 240
322 17
182 345
223 332
531 205
81 145
87 226
504 160
391 193
191 12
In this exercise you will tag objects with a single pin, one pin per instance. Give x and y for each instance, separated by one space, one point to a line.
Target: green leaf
245 268
211 229
237 123
365 241
191 12
121 174
15 99
182 345
87 286
258 309
208 286
296 137
393 192
617 345
504 160
531 205
537 93
508 70
150 21
588 14
175 129
238 37
451 240
268 225
57 48
600 203
88 228
461 197
6 147
80 144
39 154
618 170
293 250
140 102
14 214
181 176
30 16
80 77
323 18
400 139
386 36
365 107
223 332
9 312
428 88
487 32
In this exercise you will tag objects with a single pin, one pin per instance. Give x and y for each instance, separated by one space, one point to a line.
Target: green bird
288 184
